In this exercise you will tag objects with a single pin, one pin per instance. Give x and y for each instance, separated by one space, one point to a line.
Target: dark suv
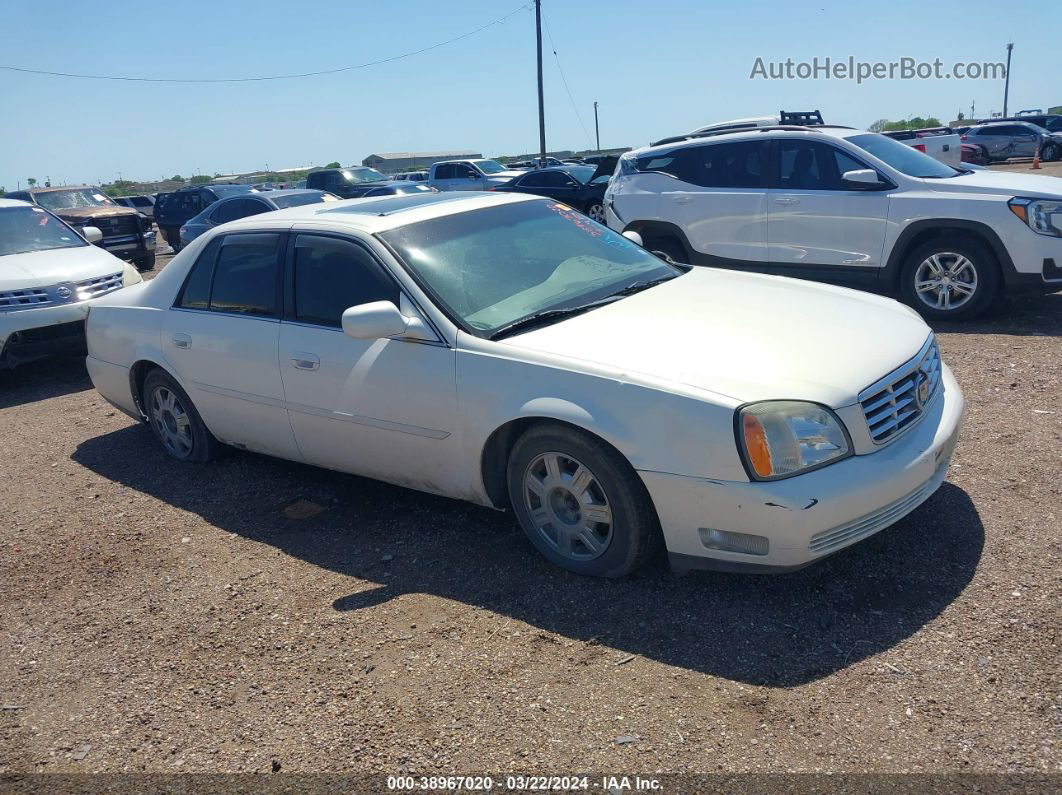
353 183
126 232
172 210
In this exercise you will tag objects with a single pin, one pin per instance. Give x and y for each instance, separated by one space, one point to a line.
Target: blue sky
655 68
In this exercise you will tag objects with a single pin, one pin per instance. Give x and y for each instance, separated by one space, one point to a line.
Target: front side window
75 197
24 229
497 266
228 210
356 176
490 166
331 275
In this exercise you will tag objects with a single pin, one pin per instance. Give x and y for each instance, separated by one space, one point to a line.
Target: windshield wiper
550 315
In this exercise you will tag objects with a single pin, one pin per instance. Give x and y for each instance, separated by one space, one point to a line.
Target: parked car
1003 140
470 175
174 210
126 233
1052 122
49 273
353 183
581 187
142 204
974 153
502 349
940 143
412 176
845 206
235 207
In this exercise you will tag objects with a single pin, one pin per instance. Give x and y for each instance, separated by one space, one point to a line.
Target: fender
890 274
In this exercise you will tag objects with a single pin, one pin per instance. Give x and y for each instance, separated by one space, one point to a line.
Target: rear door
221 339
383 408
717 194
818 226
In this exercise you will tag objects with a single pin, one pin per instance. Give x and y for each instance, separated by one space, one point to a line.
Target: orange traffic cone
1036 158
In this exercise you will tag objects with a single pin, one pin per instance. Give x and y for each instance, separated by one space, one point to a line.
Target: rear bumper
808 517
112 382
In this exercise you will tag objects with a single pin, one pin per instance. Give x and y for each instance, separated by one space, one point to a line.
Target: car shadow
773 630
43 379
1022 315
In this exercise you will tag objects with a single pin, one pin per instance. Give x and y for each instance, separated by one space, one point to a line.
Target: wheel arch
650 230
921 232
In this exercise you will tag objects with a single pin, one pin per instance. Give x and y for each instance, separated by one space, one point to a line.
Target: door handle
786 199
681 199
301 360
181 340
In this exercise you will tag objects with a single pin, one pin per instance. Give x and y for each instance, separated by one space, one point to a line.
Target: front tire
950 278
145 263
1051 152
175 421
580 503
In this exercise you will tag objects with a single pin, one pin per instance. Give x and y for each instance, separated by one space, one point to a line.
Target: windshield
902 157
581 173
489 166
24 229
492 267
359 175
299 199
76 197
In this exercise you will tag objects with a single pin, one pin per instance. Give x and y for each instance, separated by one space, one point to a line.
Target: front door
818 226
382 408
221 340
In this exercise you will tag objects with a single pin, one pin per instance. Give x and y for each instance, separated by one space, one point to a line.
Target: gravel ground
256 615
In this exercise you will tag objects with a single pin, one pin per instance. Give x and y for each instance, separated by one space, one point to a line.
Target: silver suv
1006 139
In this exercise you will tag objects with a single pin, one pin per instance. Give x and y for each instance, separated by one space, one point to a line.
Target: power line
565 81
480 29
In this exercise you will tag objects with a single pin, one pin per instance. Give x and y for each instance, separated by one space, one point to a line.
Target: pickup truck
942 143
469 175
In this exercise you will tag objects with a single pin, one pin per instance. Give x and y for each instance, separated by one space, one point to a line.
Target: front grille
115 225
830 540
897 401
24 299
93 288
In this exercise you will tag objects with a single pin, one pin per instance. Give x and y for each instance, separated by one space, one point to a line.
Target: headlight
1043 216
781 438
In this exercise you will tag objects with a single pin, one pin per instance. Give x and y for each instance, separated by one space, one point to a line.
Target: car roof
14 203
753 134
39 189
378 214
1007 122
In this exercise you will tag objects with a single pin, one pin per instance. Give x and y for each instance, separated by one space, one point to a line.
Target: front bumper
31 334
130 246
807 517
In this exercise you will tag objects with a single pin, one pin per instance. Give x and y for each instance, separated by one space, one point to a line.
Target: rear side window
739 164
245 275
444 172
332 275
228 210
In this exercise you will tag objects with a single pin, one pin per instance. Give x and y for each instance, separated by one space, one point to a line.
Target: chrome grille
92 288
897 401
24 299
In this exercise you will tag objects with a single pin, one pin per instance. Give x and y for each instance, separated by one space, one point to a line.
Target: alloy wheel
945 280
568 506
171 422
597 212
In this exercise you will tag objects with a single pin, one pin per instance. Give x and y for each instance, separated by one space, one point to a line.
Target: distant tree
333 164
878 126
199 179
3 191
914 123
176 178
31 181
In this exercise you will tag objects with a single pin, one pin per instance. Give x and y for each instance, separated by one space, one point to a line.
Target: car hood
45 268
746 336
504 176
999 182
83 213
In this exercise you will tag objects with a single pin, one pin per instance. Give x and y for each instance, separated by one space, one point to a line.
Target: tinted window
726 165
533 180
444 172
803 165
298 199
332 275
254 207
245 277
315 180
228 210
196 291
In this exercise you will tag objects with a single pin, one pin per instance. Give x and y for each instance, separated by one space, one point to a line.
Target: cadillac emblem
921 388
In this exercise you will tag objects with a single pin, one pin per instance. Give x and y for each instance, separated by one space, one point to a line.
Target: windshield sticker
591 228
99 197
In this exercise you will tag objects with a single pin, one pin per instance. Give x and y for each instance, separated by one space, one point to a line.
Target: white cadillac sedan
509 351
49 274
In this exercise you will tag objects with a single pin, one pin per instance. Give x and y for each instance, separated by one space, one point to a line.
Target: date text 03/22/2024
522 783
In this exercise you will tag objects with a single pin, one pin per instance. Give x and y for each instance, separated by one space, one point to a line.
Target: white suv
845 206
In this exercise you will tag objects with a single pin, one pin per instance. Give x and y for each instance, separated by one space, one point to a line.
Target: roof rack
770 128
805 118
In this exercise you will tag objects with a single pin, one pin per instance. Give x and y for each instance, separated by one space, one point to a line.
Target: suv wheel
950 278
1051 152
580 502
174 420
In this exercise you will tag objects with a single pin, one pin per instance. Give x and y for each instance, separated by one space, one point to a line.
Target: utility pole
1006 86
541 101
597 130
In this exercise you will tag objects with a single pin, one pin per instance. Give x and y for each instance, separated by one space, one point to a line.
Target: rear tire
174 420
173 237
580 502
950 278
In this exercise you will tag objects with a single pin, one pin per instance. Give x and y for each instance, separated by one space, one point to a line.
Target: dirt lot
160 617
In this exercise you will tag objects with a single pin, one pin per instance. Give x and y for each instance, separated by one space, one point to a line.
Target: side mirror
92 234
862 179
634 237
382 319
